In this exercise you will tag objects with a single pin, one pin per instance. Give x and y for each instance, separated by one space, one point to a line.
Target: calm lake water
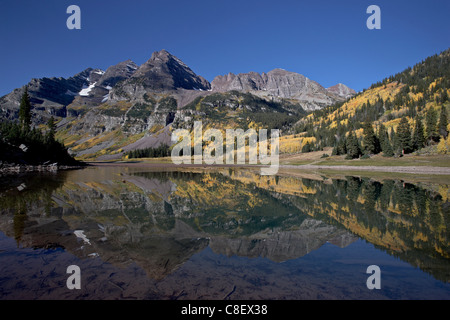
142 233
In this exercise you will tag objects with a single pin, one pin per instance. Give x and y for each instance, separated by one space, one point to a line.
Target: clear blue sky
325 40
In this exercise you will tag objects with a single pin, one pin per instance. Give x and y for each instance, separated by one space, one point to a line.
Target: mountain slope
414 93
342 90
49 96
163 94
161 73
279 83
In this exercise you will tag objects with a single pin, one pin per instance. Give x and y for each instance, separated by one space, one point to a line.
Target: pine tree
51 130
404 136
395 143
388 150
353 148
443 122
25 111
383 136
431 129
334 151
385 144
418 139
340 148
307 147
371 141
444 96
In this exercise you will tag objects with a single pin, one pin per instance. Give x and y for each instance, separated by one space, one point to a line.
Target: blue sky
325 40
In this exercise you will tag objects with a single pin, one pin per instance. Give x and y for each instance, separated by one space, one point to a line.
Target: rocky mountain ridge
51 96
162 73
103 114
342 90
279 83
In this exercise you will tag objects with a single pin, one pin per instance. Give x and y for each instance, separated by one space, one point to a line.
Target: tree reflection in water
159 220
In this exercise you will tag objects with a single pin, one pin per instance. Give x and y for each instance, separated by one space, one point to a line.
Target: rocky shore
14 168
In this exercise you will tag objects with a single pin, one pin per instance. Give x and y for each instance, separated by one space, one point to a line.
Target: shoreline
305 167
14 169
392 169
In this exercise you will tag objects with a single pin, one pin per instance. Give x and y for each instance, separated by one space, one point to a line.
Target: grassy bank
410 160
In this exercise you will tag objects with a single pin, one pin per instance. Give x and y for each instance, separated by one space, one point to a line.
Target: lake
221 233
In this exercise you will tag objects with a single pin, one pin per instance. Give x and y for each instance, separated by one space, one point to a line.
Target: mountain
99 88
342 90
161 73
49 96
280 83
103 114
116 73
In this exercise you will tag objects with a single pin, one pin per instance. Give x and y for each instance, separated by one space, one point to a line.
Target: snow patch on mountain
85 91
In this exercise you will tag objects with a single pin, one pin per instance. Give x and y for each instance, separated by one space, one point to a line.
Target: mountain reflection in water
158 223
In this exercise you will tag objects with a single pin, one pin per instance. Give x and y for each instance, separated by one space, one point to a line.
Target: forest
22 144
157 152
412 114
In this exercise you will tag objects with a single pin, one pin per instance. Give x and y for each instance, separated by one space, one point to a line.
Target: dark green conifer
51 129
418 139
371 141
431 126
352 145
443 122
25 111
404 136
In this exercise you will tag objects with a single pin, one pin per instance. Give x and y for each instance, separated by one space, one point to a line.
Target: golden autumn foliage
294 143
443 146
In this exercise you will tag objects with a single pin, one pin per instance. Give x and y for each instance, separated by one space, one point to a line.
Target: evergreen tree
340 148
443 122
395 143
352 145
25 111
50 137
404 136
371 141
388 150
418 139
307 147
335 151
39 148
444 97
385 144
161 151
383 136
431 129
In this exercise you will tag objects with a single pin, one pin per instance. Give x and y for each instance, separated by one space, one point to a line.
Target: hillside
418 94
23 148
